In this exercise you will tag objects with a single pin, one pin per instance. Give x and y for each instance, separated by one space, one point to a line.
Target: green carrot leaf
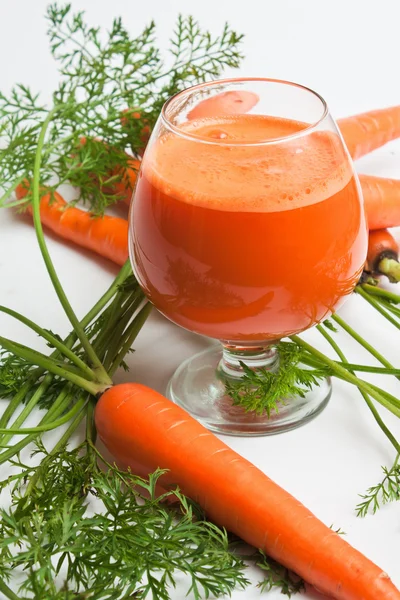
101 75
388 490
264 391
134 546
277 576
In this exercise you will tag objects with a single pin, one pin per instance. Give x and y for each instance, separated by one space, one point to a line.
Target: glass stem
254 357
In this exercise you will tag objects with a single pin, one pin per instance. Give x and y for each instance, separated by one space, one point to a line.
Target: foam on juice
223 164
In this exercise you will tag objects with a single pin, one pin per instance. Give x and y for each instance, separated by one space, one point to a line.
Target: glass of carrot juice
247 226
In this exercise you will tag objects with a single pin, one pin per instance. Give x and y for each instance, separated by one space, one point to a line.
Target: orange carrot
383 254
381 244
138 424
371 130
226 103
382 201
107 236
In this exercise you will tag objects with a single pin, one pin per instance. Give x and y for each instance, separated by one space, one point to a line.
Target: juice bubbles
244 241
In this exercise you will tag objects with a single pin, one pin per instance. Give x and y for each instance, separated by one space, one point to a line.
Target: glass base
198 387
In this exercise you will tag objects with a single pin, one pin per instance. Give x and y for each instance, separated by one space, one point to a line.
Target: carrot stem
8 593
392 404
53 425
367 399
130 336
385 394
389 306
391 268
28 408
80 332
113 290
60 346
377 291
37 358
379 357
332 342
109 340
116 340
18 398
91 432
124 272
60 405
377 306
371 369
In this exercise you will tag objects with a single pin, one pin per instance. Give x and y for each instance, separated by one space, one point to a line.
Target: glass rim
197 138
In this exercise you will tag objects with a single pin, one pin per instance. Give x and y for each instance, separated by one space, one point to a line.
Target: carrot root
107 236
138 424
381 200
368 131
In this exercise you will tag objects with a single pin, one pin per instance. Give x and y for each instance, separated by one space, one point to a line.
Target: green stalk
312 361
56 343
114 341
19 396
37 358
367 399
389 306
130 336
53 425
391 268
28 408
123 274
119 305
371 369
332 342
377 306
115 326
8 593
54 412
377 291
64 439
79 330
342 373
91 432
385 394
379 357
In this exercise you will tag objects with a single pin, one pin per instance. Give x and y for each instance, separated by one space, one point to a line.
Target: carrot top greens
77 526
101 74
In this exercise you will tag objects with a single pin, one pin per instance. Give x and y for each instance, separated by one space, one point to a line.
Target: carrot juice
239 236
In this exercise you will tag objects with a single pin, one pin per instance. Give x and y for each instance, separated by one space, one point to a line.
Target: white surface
349 52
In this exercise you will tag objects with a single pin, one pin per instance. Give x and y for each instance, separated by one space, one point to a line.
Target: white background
349 52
